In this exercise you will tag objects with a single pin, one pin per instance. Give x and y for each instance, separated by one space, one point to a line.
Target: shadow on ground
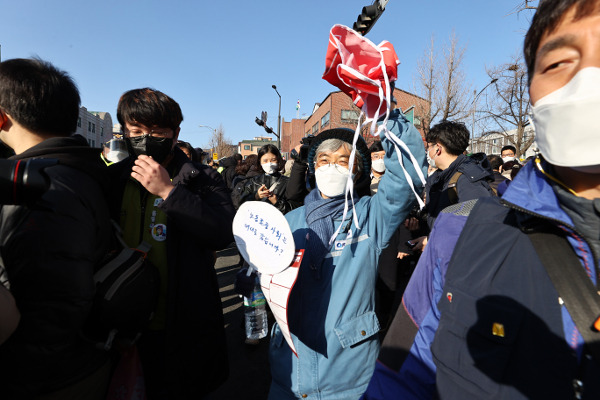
249 374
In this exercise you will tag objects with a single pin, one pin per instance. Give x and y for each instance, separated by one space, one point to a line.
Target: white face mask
378 165
507 159
331 179
117 150
431 160
566 125
270 168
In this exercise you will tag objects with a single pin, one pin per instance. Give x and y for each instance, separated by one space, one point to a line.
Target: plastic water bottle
255 315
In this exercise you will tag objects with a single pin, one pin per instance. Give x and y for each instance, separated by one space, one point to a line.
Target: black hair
495 161
270 148
243 167
514 171
376 146
185 145
148 107
509 147
546 19
39 96
454 136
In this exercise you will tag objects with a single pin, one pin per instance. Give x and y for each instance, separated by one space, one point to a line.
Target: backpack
479 158
238 190
127 289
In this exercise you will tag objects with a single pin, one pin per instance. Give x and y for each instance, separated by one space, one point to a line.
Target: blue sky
219 59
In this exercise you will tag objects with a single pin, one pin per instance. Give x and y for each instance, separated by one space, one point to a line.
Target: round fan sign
263 237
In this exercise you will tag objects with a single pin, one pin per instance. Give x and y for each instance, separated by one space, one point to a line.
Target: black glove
244 284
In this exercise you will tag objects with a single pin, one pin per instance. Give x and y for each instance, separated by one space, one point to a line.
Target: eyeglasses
338 167
376 157
156 133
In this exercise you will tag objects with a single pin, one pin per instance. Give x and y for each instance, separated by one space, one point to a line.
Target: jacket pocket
474 341
357 329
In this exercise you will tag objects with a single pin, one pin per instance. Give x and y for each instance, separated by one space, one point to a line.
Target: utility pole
278 119
475 97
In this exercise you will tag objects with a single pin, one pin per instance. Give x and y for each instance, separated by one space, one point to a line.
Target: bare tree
426 83
525 5
453 97
428 80
220 144
508 108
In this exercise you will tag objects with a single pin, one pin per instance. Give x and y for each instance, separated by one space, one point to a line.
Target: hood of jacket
228 162
73 151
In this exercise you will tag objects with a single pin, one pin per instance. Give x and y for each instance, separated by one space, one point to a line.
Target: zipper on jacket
559 223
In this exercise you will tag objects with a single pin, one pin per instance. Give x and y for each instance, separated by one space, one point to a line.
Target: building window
93 143
315 128
349 116
79 122
89 126
101 131
93 128
325 120
246 147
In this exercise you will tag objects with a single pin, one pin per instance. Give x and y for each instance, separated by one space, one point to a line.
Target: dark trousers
152 346
92 387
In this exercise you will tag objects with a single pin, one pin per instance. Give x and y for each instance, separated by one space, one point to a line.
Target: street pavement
249 373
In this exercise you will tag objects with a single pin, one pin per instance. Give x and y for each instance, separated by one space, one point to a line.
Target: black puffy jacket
49 251
200 217
246 191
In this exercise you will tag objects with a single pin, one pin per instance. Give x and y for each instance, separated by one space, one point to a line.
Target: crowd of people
488 291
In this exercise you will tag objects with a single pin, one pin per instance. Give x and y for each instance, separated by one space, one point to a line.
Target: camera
24 181
306 143
303 155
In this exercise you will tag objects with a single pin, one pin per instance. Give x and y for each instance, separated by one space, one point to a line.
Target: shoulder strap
452 189
572 284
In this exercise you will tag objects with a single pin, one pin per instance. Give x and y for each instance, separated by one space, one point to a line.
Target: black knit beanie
347 135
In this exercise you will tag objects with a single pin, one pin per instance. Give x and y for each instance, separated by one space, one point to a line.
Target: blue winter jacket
331 309
487 318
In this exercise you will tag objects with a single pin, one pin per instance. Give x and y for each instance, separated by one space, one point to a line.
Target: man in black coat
496 165
458 177
49 249
183 210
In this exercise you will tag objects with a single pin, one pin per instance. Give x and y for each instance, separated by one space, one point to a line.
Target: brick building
338 111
